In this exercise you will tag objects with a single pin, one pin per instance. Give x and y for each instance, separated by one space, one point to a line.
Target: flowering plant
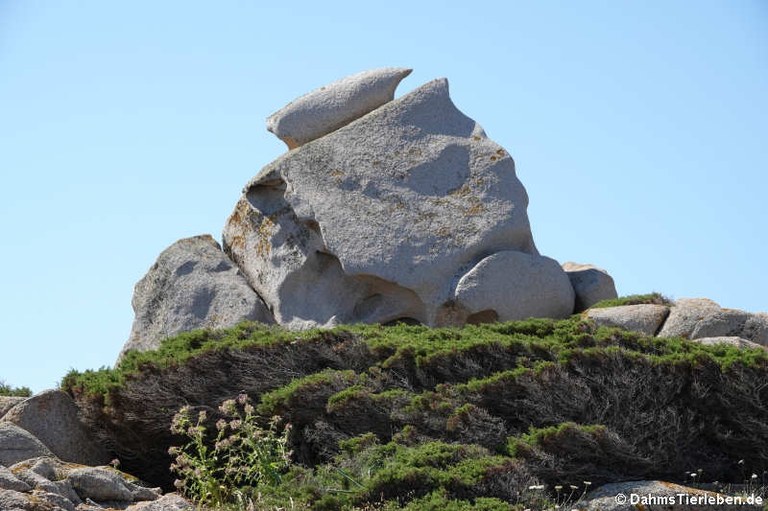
217 467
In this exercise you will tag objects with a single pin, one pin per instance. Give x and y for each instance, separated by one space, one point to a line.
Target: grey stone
605 498
694 318
685 315
100 485
512 285
51 417
591 284
170 502
644 318
737 342
53 500
330 107
17 444
8 481
11 499
733 323
192 285
8 402
379 220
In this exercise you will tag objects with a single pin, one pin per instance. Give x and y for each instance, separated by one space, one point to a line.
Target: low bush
9 391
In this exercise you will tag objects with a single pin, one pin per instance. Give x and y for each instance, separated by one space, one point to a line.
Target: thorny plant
215 469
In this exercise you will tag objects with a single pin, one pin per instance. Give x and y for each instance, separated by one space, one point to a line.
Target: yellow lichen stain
475 209
444 231
337 175
501 152
493 158
462 191
475 138
265 231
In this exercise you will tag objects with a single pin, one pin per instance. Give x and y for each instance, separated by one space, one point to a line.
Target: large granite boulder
329 108
51 416
8 402
192 285
381 219
591 284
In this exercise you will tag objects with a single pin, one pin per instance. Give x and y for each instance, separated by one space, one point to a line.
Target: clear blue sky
638 128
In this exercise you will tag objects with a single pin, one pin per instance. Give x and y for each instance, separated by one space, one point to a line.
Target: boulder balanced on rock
383 219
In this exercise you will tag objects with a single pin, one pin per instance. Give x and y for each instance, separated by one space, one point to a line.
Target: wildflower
694 474
587 483
202 416
754 476
536 487
249 409
221 424
741 462
235 424
574 487
242 398
558 487
229 407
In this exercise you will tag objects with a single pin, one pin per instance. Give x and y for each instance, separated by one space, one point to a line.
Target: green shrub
7 390
651 298
242 457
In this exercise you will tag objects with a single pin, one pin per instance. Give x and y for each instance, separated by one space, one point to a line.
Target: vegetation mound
423 418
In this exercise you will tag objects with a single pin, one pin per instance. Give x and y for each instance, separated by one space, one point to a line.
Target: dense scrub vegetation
10 391
422 418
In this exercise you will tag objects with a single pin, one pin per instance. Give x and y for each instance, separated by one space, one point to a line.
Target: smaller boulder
51 417
337 104
685 314
511 285
100 485
192 285
737 342
643 318
590 283
17 444
12 500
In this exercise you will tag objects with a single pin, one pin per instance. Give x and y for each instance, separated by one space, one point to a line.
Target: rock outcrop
49 484
192 285
696 319
330 107
378 221
51 416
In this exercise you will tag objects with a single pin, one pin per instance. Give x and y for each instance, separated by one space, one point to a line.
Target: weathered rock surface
644 318
17 444
8 481
379 220
170 502
695 318
590 283
51 416
330 107
510 285
666 495
685 315
192 285
52 484
8 402
737 342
